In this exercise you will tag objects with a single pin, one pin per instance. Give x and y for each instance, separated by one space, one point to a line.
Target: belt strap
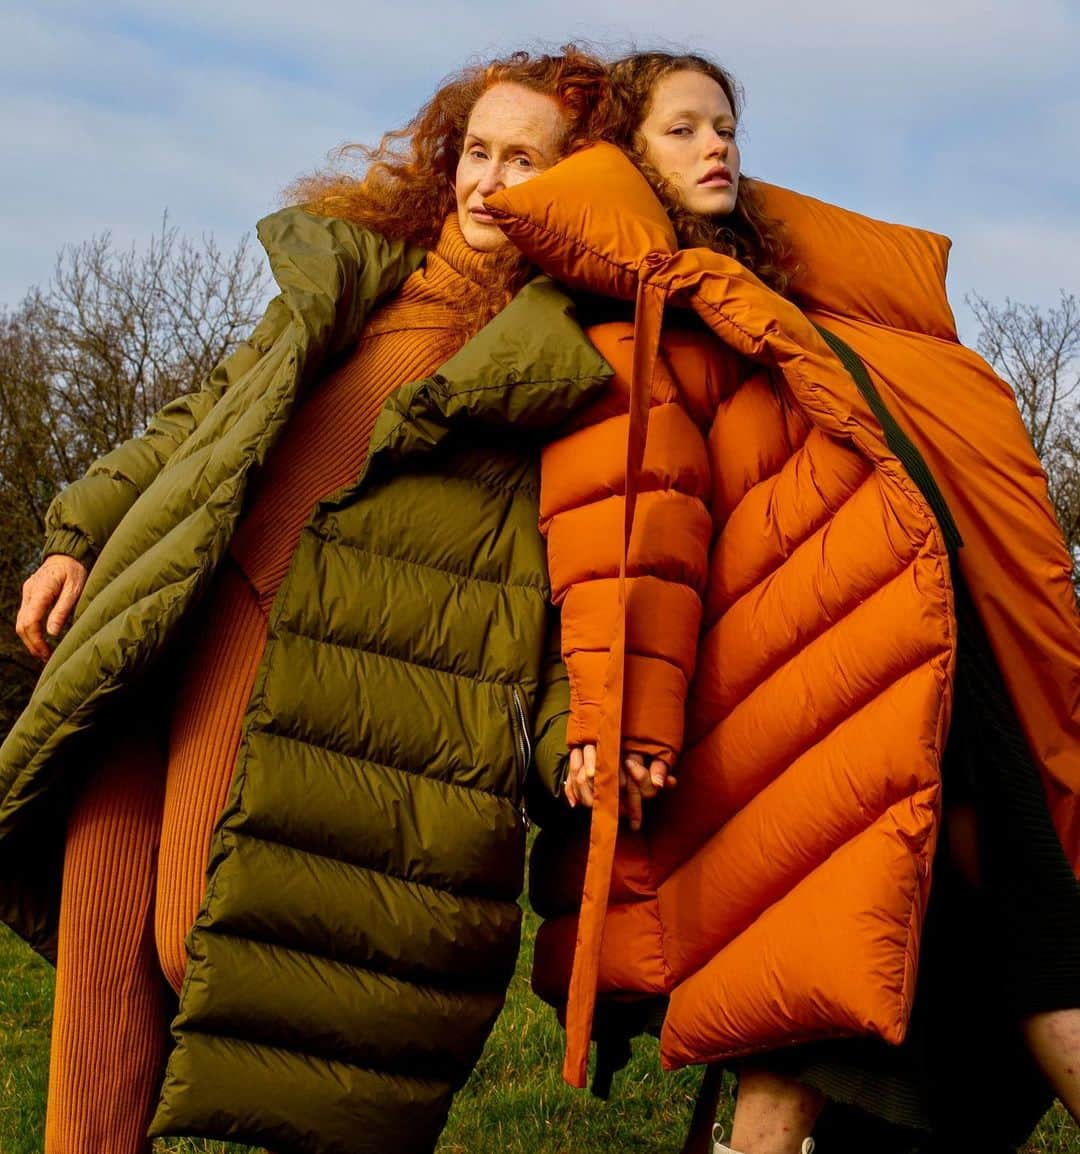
581 1000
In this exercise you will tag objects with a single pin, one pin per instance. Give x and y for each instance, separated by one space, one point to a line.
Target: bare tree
26 487
127 331
84 363
1038 353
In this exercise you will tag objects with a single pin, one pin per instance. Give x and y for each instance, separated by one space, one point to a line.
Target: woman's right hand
48 596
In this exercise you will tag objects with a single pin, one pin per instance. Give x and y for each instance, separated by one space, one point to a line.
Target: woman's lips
716 178
481 215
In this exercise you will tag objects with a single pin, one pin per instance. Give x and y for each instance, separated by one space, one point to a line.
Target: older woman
323 574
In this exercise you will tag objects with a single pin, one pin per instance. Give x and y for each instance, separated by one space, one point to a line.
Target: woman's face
512 135
689 138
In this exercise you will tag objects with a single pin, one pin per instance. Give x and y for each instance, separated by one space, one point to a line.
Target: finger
69 594
583 783
585 789
29 636
633 805
625 784
34 641
658 772
639 775
635 766
28 625
588 752
572 771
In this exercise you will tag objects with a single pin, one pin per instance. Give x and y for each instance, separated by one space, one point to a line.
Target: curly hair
747 234
407 188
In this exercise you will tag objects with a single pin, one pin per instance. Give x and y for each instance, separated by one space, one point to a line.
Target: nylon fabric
581 999
371 850
784 839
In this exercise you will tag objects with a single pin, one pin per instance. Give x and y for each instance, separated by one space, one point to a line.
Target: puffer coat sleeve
83 516
550 755
582 508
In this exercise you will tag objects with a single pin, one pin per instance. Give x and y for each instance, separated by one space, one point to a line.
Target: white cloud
214 146
958 116
1029 261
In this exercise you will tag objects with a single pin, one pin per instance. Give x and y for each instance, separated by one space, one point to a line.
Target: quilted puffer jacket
777 895
361 919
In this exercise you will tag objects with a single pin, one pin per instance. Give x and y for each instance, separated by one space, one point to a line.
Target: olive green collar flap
332 274
528 369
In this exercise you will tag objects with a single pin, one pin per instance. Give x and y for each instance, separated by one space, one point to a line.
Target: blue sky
955 115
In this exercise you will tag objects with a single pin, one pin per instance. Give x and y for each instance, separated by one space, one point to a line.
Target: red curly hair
407 190
747 234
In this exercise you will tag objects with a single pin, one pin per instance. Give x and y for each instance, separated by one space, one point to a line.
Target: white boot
720 1148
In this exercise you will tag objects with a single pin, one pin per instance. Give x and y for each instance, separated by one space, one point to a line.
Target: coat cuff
71 543
654 703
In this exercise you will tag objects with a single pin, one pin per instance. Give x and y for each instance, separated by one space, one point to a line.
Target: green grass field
515 1103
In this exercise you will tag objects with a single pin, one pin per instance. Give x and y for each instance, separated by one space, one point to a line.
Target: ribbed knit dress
139 835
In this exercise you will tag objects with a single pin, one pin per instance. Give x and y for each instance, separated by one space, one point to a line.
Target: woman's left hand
49 595
579 784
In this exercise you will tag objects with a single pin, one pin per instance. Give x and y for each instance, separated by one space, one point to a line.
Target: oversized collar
529 368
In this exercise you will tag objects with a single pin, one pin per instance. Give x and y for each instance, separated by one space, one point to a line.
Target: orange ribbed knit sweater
109 1022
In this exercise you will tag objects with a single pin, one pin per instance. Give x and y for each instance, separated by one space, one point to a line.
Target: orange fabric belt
581 1000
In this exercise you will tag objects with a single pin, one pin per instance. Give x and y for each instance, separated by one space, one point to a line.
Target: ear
589 222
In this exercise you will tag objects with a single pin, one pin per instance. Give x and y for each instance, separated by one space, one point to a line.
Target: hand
637 781
51 592
579 784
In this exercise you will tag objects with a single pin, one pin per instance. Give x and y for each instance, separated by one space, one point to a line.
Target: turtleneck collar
465 260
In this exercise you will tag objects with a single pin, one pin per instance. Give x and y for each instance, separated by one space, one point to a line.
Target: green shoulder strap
897 439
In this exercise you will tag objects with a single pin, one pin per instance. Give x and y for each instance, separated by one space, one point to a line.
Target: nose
717 145
490 179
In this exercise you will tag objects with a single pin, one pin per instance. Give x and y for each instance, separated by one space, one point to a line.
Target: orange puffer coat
788 583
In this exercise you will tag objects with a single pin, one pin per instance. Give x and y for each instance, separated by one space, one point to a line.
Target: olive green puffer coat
360 924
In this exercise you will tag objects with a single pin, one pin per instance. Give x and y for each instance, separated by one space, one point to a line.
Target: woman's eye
523 162
726 133
681 130
477 154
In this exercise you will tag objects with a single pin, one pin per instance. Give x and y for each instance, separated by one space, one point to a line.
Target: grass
25 1008
515 1102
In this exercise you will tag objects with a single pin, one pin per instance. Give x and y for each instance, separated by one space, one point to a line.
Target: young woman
677 118
779 893
322 573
